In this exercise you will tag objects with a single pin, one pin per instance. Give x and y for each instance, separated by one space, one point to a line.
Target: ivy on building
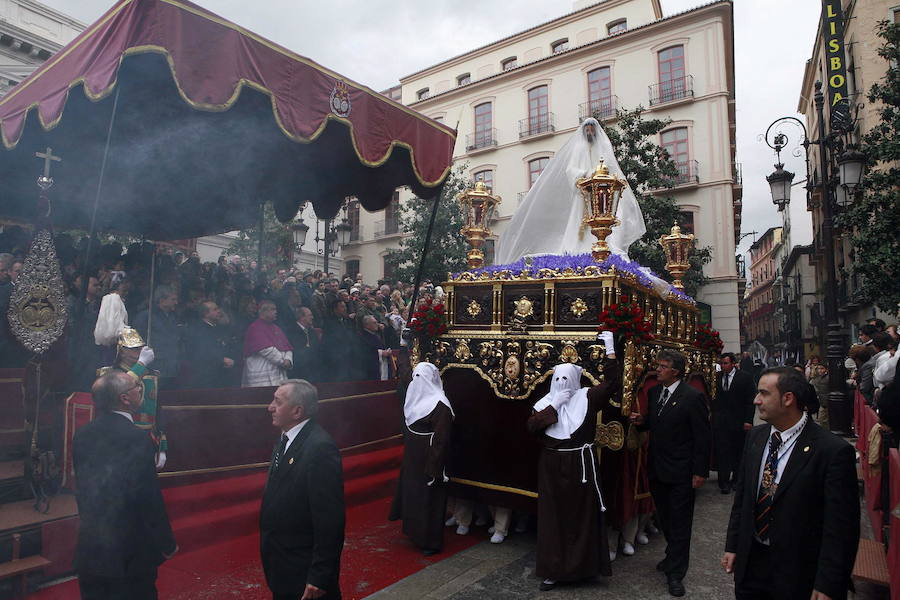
871 220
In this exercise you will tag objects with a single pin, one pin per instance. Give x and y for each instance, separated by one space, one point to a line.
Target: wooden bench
21 567
871 563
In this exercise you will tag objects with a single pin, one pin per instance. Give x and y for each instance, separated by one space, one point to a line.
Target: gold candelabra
677 247
478 205
601 192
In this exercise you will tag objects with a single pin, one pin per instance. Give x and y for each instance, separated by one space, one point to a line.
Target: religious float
508 326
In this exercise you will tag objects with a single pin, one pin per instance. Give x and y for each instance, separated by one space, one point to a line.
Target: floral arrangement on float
708 338
626 320
429 320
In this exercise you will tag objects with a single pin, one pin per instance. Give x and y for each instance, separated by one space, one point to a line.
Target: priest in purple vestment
267 353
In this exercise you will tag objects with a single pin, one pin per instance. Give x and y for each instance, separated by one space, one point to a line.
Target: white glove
161 457
146 356
560 398
609 342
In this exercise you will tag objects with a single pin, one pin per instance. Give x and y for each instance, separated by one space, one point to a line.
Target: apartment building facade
765 256
516 101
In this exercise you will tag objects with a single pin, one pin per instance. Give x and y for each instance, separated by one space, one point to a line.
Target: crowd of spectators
336 328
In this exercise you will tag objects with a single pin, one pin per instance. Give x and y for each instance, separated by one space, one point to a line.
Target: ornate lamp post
601 192
332 237
677 247
834 192
478 205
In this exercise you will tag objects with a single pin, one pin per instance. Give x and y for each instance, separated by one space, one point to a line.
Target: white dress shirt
788 441
127 415
292 434
726 380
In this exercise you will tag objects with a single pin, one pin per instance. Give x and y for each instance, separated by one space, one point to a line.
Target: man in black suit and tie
794 524
302 517
124 532
678 421
732 417
306 345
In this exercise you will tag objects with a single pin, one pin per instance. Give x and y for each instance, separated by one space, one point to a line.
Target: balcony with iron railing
679 88
537 125
737 175
481 140
601 108
357 234
387 227
688 173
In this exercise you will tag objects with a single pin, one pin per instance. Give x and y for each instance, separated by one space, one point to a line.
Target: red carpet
216 524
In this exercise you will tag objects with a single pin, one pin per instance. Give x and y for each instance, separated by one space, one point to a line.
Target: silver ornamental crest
37 305
340 99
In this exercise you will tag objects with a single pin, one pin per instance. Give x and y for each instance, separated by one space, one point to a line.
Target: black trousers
757 583
675 513
729 444
142 587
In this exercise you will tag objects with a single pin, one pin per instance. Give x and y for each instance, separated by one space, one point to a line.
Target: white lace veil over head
424 393
549 218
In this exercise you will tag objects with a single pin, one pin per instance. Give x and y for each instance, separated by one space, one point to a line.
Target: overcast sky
375 42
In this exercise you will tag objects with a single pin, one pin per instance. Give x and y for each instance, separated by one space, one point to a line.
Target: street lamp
333 236
780 186
343 230
850 164
299 229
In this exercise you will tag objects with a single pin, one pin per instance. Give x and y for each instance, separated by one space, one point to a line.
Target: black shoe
430 552
676 588
662 566
547 585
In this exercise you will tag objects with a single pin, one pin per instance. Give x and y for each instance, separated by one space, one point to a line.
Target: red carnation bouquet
626 319
430 320
708 339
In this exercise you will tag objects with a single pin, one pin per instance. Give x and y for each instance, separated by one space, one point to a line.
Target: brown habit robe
572 541
421 506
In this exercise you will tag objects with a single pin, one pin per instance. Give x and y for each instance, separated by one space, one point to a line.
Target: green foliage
648 167
277 243
872 218
447 249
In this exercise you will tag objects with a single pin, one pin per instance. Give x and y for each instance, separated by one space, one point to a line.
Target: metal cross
48 156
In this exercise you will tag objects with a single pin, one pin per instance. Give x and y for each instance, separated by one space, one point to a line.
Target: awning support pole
415 295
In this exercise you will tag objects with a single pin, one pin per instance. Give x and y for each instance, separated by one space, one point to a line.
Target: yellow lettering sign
830 10
833 46
836 81
835 63
837 98
833 27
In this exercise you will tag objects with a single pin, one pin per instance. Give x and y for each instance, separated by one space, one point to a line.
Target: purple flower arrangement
576 262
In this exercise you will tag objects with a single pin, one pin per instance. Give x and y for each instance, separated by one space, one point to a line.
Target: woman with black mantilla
572 544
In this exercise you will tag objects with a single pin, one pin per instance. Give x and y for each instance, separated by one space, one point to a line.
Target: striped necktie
662 401
767 489
279 452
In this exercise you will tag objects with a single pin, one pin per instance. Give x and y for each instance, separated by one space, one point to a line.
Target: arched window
535 168
464 79
600 91
423 94
675 142
484 123
671 73
559 46
617 26
538 109
509 63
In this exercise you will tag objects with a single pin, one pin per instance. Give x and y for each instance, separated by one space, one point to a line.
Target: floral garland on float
429 320
708 339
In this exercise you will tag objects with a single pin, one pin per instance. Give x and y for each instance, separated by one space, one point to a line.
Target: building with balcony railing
525 95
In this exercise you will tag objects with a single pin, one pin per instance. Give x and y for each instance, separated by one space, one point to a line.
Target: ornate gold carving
462 351
611 435
569 354
512 368
474 309
578 307
524 307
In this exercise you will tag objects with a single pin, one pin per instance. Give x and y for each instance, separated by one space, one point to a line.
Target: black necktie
767 489
279 452
662 401
726 381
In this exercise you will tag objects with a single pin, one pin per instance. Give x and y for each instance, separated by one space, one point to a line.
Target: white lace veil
549 218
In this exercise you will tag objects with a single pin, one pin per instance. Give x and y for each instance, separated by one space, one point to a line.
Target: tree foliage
648 166
277 243
447 249
871 219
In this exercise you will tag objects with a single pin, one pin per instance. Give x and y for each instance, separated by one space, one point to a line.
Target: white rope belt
430 436
589 449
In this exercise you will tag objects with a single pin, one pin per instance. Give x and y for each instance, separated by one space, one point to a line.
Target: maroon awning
210 120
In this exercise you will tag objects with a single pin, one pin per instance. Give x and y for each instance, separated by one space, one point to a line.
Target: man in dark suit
206 346
307 347
794 524
124 532
678 421
732 417
302 517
